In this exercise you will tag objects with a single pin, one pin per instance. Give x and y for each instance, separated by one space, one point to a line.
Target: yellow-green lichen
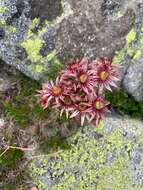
114 177
89 157
2 22
38 68
33 42
51 70
138 54
8 28
131 36
32 25
118 14
130 49
51 55
48 65
12 29
33 47
3 9
119 56
41 185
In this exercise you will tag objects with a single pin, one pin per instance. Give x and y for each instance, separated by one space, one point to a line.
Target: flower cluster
78 90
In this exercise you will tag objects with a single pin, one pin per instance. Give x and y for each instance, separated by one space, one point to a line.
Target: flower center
67 100
83 78
82 94
104 75
56 90
82 106
99 104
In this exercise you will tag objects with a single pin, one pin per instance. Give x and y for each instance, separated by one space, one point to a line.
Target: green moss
24 106
125 104
54 144
9 163
54 68
10 158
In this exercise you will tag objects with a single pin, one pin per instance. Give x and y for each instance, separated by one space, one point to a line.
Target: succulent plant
79 89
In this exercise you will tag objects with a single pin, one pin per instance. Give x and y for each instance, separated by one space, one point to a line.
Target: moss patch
125 104
10 158
23 106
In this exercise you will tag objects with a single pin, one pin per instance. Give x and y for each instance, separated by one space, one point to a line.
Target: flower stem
14 147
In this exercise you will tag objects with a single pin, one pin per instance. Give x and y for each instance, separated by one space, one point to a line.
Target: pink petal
82 119
52 83
108 88
67 114
61 113
74 114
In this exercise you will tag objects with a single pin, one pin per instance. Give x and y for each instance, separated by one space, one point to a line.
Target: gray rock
68 29
133 81
75 28
113 161
45 10
7 82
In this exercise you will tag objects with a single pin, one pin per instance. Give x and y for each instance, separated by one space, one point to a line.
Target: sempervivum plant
79 89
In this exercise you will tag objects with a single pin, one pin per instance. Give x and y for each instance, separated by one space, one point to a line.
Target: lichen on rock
101 158
61 29
38 38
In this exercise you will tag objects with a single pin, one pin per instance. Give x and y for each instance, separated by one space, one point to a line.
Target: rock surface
108 157
134 79
38 35
66 29
7 81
